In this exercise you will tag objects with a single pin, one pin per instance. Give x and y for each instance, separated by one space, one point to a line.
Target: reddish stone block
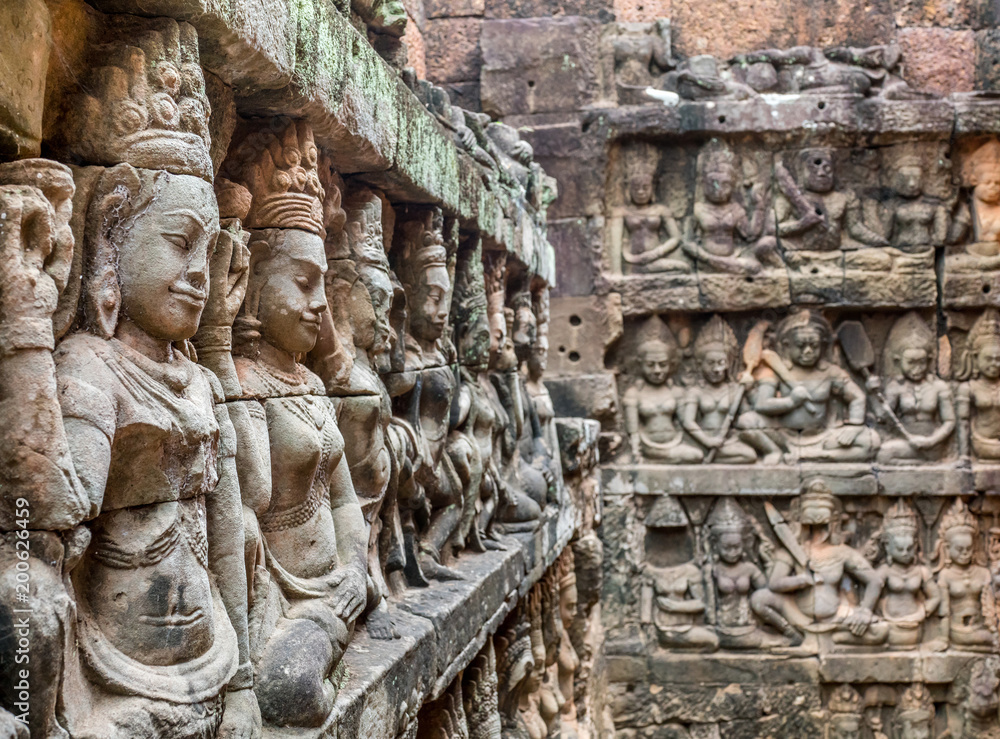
939 59
452 49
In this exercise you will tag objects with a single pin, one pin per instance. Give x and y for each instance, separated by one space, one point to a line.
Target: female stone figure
914 218
720 221
314 535
707 404
909 594
922 402
674 602
645 232
653 403
982 213
914 714
739 592
156 645
967 602
978 401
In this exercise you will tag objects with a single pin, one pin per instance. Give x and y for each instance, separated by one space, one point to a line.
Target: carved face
640 188
907 181
715 366
845 727
987 185
915 729
473 339
429 309
901 547
719 185
380 294
293 298
730 547
163 265
804 346
568 599
819 172
816 513
525 327
539 358
914 364
655 364
988 360
959 543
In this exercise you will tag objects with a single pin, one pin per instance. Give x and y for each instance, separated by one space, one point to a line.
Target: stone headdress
957 518
915 705
143 113
143 102
717 335
716 157
899 518
641 160
908 332
986 329
278 162
845 707
655 335
422 248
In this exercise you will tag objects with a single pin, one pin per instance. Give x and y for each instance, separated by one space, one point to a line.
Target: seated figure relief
314 539
795 393
968 604
978 398
912 217
809 568
673 603
723 235
645 236
920 405
652 405
978 219
910 595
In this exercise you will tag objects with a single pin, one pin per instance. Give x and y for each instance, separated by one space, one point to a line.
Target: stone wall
276 457
776 217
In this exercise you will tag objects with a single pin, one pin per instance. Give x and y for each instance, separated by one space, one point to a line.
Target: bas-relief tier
252 410
735 226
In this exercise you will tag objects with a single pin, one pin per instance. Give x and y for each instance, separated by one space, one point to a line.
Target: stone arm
946 412
36 460
751 227
859 569
352 545
224 513
768 403
783 578
932 593
961 224
855 399
630 404
944 591
963 412
689 420
940 227
857 227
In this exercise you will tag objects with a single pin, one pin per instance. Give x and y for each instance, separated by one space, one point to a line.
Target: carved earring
106 302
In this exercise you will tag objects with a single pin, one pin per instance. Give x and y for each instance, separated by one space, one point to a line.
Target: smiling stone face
163 262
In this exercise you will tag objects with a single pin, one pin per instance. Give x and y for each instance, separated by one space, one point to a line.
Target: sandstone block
453 51
939 59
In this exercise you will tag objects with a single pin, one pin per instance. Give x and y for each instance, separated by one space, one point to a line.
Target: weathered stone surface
581 331
577 243
987 60
577 161
453 48
599 10
442 9
642 11
558 72
939 59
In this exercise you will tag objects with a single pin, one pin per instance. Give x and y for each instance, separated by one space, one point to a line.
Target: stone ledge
786 480
835 119
442 629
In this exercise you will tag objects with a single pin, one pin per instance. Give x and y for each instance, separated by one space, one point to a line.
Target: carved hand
349 593
859 621
241 718
228 276
848 435
799 395
27 238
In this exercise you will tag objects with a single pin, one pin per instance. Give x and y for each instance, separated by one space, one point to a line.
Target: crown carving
143 102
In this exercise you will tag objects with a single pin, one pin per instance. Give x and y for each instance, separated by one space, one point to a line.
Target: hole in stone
986 289
722 119
749 278
574 356
815 270
575 320
821 104
818 211
562 350
531 83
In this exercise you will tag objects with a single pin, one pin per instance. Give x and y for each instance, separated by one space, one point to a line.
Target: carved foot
380 624
436 571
